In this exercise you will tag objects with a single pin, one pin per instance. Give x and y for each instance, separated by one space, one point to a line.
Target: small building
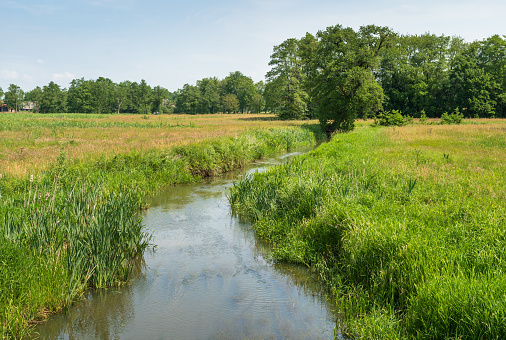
3 107
26 106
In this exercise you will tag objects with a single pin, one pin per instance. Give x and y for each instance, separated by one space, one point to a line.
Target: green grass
78 226
406 225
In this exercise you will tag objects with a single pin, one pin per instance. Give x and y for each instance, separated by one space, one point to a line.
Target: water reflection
209 278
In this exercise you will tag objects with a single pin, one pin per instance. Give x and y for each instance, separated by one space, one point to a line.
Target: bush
391 118
452 118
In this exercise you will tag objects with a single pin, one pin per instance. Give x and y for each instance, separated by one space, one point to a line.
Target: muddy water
209 278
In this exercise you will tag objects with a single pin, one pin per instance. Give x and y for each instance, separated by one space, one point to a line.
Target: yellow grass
33 148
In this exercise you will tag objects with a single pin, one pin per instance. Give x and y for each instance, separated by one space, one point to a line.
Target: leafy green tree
472 88
188 99
286 73
272 96
14 96
53 98
79 96
258 102
491 56
159 94
414 73
209 95
342 81
242 87
102 98
144 94
35 96
230 103
1 93
120 95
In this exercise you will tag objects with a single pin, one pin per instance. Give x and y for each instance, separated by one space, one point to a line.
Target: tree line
337 75
341 74
91 96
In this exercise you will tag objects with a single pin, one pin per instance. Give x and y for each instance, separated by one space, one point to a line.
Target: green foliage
341 78
288 78
13 96
391 118
453 118
230 103
412 246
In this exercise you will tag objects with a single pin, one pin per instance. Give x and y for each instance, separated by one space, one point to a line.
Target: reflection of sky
208 278
170 43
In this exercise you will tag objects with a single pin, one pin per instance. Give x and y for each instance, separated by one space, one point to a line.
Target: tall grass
77 225
406 225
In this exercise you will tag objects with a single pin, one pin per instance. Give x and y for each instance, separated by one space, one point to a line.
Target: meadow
72 186
31 142
407 225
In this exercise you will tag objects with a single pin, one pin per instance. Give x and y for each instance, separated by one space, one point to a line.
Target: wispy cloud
9 74
66 76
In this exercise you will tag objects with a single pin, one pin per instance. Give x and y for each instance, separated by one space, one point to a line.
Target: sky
171 43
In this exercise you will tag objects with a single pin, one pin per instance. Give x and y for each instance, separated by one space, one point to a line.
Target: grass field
407 225
30 142
71 187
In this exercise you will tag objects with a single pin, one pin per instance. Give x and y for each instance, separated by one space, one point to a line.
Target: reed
77 224
406 225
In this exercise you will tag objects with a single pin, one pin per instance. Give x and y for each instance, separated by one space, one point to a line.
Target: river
209 277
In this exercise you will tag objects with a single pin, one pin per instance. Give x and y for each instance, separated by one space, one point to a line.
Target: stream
209 277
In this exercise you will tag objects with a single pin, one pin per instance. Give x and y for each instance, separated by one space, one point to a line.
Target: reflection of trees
100 315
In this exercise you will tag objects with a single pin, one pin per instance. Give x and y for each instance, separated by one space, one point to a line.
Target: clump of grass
412 246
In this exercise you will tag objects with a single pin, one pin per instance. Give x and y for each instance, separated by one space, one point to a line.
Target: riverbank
76 226
406 225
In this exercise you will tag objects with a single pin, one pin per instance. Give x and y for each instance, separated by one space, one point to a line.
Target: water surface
208 278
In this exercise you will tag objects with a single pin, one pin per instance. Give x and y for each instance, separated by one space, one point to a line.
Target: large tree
188 99
53 98
286 74
103 100
120 95
242 87
79 96
341 68
209 95
14 96
230 103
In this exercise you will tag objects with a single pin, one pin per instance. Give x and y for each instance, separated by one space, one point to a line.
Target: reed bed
406 225
77 226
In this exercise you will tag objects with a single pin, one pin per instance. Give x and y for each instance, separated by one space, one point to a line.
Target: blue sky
170 43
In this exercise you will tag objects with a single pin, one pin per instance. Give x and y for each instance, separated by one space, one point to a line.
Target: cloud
63 76
28 78
40 61
9 75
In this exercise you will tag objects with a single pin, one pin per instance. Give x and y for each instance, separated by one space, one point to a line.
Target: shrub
453 118
391 118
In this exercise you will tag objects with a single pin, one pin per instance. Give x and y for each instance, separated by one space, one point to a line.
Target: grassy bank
75 225
407 225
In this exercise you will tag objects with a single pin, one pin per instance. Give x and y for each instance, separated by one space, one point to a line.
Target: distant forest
338 71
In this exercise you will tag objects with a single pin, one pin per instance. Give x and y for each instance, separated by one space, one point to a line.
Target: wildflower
31 178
